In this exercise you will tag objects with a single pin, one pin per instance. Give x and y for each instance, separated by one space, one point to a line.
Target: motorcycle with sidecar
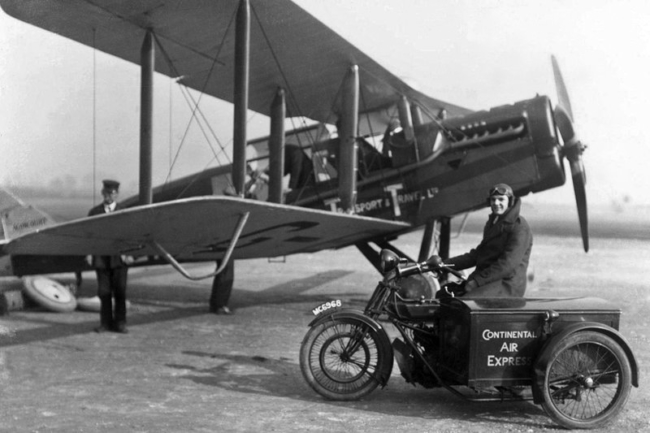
565 354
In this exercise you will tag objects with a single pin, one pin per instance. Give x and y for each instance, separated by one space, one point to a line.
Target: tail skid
19 218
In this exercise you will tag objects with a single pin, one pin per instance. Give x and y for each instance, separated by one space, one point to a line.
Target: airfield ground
181 369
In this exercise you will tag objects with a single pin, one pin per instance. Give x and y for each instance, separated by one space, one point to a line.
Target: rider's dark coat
501 259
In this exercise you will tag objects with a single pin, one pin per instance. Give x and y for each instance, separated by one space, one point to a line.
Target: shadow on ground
161 304
262 376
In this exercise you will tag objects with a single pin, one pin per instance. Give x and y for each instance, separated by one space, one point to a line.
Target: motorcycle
564 354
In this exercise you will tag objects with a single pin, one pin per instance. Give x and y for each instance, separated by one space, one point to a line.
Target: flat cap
111 185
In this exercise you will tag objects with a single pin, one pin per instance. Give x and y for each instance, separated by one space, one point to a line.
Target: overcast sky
476 54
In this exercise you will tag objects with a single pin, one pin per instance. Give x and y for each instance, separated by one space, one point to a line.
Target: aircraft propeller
573 150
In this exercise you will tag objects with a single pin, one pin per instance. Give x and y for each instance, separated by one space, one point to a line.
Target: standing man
111 272
501 259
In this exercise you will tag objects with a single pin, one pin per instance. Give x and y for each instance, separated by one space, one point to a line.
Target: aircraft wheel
93 304
342 359
587 381
89 304
49 294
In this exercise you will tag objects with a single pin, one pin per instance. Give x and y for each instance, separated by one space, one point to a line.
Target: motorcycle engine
410 364
418 286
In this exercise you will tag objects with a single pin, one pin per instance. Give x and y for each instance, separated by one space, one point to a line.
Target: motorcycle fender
356 315
344 313
543 359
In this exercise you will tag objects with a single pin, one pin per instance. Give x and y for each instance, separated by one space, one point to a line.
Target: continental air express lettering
394 200
489 335
504 361
509 347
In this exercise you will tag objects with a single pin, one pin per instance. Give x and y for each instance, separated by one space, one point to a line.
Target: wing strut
242 78
222 263
148 56
348 131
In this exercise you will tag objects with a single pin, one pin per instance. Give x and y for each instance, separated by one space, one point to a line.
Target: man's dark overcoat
502 257
105 262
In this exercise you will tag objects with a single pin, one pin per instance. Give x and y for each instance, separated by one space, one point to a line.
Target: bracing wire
195 104
94 116
197 113
289 90
192 103
170 128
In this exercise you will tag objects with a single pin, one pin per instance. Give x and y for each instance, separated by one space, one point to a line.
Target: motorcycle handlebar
454 272
432 264
411 268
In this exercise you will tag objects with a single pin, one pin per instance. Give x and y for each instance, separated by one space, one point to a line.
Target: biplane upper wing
201 229
289 49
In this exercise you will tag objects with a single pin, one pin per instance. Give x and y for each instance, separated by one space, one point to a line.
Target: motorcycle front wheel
344 359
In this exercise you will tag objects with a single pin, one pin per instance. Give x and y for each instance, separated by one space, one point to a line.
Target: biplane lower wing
202 228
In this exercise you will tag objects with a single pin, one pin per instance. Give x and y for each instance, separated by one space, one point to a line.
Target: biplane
375 159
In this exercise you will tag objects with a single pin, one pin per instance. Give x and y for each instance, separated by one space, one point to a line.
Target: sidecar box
494 342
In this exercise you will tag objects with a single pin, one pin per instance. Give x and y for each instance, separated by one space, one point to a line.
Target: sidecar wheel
343 359
587 382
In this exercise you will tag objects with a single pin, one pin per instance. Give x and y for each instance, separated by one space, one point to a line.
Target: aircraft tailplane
19 218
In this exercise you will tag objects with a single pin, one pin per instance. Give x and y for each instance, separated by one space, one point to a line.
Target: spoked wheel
587 381
344 360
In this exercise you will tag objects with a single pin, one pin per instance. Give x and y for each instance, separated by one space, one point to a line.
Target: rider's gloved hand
470 286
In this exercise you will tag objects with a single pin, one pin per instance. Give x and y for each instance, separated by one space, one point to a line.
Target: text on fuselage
394 200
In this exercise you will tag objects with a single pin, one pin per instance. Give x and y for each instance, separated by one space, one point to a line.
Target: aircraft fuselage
516 144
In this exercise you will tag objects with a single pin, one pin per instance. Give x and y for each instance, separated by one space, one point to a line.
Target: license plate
326 306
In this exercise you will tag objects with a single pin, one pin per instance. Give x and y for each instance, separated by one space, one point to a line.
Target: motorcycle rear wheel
343 359
588 381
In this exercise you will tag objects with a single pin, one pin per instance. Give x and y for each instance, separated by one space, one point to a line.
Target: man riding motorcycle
501 259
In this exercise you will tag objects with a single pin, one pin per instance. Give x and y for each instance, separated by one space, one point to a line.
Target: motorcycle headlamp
388 260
